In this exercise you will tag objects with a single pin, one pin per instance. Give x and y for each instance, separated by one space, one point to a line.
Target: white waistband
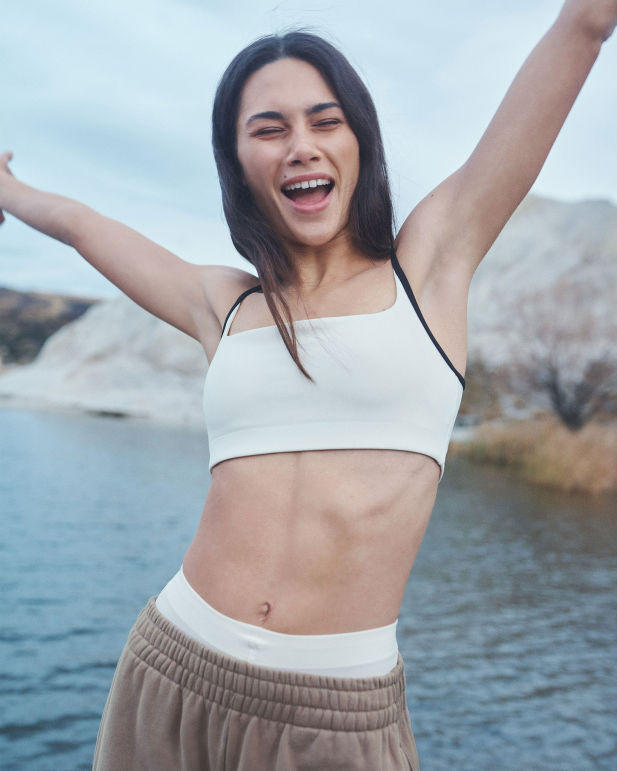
368 653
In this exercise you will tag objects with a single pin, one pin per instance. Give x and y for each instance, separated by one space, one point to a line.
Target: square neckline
397 297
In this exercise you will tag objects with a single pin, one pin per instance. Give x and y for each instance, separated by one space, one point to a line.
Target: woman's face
298 154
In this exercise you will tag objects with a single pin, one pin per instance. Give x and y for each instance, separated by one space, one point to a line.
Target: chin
313 238
309 241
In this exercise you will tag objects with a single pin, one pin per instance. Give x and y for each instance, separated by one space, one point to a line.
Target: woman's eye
328 122
269 130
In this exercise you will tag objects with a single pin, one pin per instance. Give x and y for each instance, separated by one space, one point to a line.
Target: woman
274 646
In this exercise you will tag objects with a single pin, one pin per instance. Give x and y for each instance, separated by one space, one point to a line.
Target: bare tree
562 341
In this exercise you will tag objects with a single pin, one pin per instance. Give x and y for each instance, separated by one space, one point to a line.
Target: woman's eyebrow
321 107
275 115
268 115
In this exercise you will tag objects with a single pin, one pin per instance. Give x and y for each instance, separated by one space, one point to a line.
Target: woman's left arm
461 218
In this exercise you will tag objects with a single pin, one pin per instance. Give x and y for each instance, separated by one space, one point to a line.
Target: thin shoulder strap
409 292
237 302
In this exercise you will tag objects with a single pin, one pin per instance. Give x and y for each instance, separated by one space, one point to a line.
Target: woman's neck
318 267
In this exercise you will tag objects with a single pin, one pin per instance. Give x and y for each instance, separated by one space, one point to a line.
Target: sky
108 102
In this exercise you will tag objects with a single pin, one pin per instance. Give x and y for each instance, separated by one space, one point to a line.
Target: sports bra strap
237 302
412 298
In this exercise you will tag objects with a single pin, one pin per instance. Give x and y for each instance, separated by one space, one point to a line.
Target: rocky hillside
27 319
554 263
553 268
116 359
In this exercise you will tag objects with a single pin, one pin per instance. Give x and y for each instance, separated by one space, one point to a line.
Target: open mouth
309 191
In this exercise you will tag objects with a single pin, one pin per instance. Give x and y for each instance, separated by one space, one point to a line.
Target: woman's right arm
181 293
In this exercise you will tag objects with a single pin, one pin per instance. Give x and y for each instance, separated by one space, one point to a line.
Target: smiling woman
334 382
307 128
298 89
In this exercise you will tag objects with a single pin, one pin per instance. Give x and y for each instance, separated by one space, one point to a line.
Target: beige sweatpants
176 705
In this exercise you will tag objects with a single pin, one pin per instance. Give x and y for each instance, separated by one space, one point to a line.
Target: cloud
109 102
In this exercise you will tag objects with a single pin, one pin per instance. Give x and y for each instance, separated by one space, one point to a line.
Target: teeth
307 183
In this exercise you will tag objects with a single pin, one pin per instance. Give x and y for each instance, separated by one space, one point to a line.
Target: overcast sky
108 101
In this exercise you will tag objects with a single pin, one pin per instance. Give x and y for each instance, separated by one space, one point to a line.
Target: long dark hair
371 215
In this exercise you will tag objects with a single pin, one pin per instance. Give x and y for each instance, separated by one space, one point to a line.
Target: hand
4 169
597 16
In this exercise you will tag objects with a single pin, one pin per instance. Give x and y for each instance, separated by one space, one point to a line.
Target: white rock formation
544 244
116 358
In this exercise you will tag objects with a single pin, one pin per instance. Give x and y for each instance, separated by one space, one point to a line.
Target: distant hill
27 319
553 262
116 359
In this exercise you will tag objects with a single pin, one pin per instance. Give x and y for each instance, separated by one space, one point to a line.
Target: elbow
72 222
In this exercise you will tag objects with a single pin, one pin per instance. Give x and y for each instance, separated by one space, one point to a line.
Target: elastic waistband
367 653
314 701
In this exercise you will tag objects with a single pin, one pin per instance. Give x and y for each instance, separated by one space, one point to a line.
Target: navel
264 611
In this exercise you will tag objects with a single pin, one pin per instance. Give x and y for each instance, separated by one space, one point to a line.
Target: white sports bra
381 381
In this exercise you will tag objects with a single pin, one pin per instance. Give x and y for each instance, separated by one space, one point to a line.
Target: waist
327 540
367 653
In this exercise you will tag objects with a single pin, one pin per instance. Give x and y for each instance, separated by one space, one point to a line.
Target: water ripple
25 730
507 627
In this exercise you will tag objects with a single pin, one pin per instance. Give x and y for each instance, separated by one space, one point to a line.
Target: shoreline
537 449
542 451
26 404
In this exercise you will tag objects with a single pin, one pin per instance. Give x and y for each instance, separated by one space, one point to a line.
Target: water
508 626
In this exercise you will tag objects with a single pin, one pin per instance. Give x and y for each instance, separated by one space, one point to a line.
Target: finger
5 157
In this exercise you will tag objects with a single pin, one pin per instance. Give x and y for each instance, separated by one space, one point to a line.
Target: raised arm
457 223
190 297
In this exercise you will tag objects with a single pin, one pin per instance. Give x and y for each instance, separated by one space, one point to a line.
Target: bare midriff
312 542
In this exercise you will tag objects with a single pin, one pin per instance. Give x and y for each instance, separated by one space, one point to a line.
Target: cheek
256 172
249 177
354 174
246 162
352 163
254 178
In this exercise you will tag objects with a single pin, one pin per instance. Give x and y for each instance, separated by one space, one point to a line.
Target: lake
508 627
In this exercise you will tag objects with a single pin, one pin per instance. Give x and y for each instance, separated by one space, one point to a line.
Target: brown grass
542 450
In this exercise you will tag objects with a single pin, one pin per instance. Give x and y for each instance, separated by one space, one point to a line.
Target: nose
302 149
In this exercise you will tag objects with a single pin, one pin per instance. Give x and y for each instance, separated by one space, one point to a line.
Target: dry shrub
483 386
546 452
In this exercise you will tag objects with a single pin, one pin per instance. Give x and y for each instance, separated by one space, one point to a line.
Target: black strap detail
238 301
403 278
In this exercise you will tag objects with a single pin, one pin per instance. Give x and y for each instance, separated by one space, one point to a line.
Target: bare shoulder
221 285
417 247
440 282
434 241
